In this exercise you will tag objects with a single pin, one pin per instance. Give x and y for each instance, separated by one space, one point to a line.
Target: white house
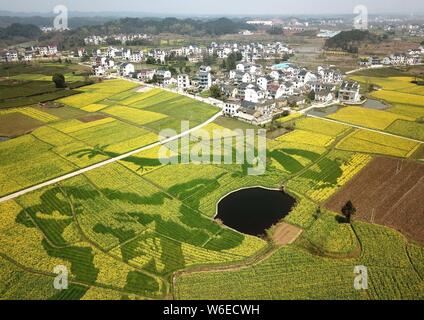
253 94
324 96
170 82
204 80
330 75
349 92
163 75
99 71
183 82
52 50
125 69
286 89
262 83
240 67
27 56
136 57
146 74
205 69
232 107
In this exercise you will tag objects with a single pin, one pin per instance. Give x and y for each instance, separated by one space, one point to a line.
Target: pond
323 112
375 104
254 210
3 139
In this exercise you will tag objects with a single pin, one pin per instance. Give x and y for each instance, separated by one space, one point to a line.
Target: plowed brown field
388 192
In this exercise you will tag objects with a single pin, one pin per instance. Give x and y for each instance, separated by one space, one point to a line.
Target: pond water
323 112
254 210
3 139
375 104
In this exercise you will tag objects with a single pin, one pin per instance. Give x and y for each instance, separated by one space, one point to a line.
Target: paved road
104 163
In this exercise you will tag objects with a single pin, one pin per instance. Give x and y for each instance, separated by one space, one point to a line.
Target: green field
70 138
143 228
295 273
25 84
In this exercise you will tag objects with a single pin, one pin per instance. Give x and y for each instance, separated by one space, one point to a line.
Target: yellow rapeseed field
307 137
376 143
368 118
136 116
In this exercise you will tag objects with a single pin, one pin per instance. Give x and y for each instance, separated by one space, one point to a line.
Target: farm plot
321 126
16 124
177 108
408 129
307 137
291 117
32 112
368 118
134 98
24 93
23 242
297 274
27 161
394 97
140 117
290 157
326 176
414 112
96 93
400 84
108 136
388 192
117 210
376 143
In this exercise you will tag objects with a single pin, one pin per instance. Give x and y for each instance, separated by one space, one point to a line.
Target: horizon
217 7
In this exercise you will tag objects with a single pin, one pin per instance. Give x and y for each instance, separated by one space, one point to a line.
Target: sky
219 7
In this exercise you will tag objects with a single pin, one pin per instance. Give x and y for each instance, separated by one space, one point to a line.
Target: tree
311 95
348 211
59 80
150 60
215 92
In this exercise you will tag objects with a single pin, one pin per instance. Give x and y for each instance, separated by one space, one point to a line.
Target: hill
351 40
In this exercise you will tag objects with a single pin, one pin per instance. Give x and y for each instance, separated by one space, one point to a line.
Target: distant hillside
153 26
172 25
351 40
16 33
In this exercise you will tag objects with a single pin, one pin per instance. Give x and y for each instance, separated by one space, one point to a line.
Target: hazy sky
213 7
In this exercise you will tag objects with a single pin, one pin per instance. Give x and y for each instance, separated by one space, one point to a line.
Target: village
244 88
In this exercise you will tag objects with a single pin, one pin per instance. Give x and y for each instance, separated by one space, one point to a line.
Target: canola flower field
139 228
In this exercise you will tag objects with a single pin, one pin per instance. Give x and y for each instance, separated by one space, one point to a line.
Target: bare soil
92 118
389 192
285 234
16 124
